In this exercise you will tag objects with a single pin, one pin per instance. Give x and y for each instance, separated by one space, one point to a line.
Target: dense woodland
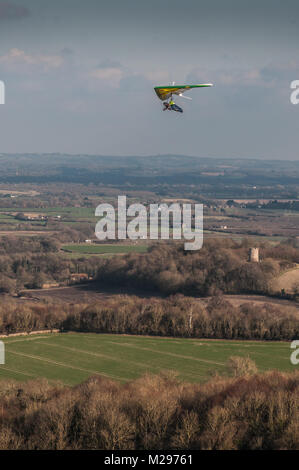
220 266
177 316
249 411
167 270
29 262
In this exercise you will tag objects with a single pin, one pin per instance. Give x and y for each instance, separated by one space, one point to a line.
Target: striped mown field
73 357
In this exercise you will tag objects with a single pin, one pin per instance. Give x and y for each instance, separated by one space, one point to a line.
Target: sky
79 77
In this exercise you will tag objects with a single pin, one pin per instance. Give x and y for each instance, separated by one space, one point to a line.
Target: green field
100 249
73 357
67 211
71 216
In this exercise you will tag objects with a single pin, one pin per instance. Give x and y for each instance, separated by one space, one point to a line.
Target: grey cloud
10 11
135 83
67 51
110 64
275 73
256 77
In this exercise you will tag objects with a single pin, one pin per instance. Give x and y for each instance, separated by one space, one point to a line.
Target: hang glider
165 92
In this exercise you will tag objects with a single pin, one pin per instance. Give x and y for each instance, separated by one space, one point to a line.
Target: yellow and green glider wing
165 92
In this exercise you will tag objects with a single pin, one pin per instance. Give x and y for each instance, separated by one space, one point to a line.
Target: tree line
176 316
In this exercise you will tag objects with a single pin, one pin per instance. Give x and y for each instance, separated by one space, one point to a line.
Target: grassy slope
287 281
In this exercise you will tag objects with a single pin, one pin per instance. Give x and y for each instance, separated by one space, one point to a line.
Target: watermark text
294 98
295 354
2 353
157 221
2 92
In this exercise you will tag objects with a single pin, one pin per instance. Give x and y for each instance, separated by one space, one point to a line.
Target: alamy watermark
157 221
2 353
295 354
2 92
294 98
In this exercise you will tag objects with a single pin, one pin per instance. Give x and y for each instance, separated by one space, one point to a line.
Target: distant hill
152 170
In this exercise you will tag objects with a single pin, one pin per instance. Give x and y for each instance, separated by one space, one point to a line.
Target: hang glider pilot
166 93
171 106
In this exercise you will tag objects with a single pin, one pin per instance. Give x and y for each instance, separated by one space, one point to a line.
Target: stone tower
253 256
